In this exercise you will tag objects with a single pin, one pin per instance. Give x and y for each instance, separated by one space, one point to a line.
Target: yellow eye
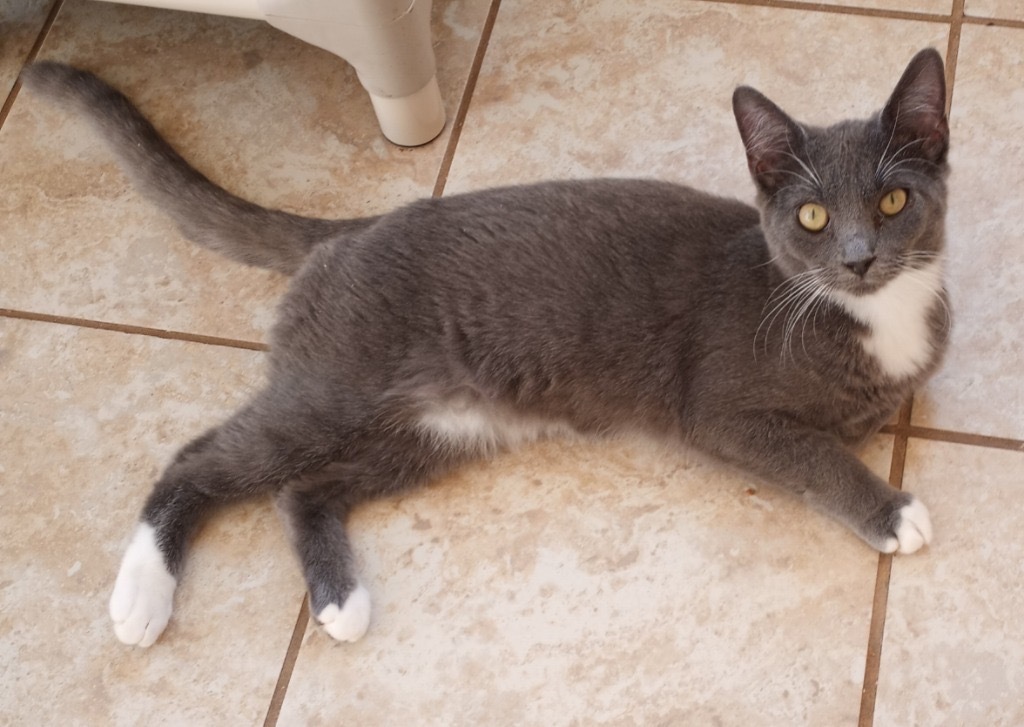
813 217
893 202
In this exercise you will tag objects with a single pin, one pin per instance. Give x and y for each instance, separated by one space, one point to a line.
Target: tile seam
953 51
880 597
993 22
459 122
33 52
949 436
291 656
130 329
838 10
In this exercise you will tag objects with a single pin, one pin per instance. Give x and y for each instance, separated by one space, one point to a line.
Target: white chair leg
411 120
388 43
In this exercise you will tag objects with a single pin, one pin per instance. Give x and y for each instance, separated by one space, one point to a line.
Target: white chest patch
897 319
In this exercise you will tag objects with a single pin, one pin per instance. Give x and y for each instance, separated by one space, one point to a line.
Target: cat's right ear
773 140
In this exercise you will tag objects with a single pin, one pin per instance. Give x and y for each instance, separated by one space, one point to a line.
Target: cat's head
860 201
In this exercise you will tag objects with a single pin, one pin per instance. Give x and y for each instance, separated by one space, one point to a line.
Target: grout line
467 95
32 53
288 665
974 440
880 600
876 631
838 10
956 15
133 330
953 51
993 22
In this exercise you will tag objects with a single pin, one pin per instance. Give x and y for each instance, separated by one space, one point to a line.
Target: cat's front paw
350 621
912 529
141 603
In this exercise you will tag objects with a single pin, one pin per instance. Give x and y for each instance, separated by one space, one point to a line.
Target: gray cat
775 339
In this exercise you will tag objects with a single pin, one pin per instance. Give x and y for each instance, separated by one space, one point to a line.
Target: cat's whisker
796 286
772 261
799 290
895 157
885 164
888 144
803 178
824 299
912 260
793 289
895 163
946 312
809 170
904 167
799 314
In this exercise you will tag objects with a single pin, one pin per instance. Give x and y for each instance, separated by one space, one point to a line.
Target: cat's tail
205 213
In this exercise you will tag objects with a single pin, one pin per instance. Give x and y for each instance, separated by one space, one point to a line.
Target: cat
775 338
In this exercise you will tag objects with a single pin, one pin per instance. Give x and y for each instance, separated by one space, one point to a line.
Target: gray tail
204 212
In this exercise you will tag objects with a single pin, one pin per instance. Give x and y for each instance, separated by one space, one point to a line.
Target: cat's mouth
881 274
862 286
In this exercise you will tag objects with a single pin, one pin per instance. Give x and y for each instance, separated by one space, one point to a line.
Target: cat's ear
915 116
773 140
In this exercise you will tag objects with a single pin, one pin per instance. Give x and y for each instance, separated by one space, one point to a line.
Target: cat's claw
348 622
913 530
141 603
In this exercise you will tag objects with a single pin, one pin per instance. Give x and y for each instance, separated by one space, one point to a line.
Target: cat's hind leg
250 454
336 598
316 505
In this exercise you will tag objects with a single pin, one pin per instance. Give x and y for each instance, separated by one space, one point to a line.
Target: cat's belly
470 424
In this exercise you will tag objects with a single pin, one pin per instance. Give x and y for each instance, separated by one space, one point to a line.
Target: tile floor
568 584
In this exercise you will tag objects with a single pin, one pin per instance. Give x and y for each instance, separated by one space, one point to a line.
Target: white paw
349 622
913 531
140 605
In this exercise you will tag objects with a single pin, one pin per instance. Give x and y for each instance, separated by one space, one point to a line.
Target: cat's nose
860 267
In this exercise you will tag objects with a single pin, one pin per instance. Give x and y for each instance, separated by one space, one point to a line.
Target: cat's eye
893 202
813 217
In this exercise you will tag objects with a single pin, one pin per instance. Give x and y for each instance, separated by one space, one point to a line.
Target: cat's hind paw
350 621
913 529
141 603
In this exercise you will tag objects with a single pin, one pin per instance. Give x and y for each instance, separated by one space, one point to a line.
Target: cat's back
595 230
543 254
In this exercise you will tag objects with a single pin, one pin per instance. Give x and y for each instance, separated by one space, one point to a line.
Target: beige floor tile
954 640
1004 9
87 418
981 387
554 102
20 24
274 119
597 584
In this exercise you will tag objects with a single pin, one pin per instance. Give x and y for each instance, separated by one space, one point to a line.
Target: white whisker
795 297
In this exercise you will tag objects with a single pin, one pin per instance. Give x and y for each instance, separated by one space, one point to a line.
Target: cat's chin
862 288
866 286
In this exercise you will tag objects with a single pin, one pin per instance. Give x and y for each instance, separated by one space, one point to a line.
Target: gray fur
600 306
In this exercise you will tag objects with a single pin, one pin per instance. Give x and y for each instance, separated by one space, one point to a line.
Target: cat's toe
142 600
348 622
914 527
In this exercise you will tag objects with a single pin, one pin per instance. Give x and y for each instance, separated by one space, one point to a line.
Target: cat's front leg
817 466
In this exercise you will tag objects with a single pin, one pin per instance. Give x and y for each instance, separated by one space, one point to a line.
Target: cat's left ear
916 111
